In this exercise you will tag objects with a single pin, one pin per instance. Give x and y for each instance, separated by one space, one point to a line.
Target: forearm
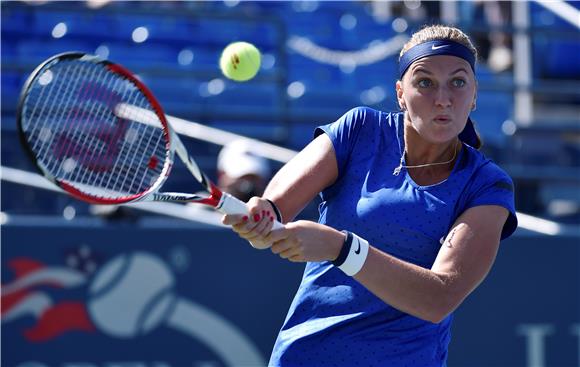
410 288
421 292
462 263
288 194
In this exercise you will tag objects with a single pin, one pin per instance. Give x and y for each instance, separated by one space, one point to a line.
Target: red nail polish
256 217
263 213
271 219
245 218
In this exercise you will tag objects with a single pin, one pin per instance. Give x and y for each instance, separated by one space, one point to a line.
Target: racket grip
232 205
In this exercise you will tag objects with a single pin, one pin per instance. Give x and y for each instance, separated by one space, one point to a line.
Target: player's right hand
255 226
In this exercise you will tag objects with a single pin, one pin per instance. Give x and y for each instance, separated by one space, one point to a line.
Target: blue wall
533 289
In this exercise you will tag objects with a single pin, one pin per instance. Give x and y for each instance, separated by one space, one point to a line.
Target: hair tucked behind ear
470 135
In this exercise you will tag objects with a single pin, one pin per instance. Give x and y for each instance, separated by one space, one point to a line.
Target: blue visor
432 48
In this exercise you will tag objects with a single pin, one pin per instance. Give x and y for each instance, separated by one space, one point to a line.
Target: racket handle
232 205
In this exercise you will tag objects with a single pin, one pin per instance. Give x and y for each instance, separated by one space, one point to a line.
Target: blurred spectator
497 14
494 45
241 172
114 213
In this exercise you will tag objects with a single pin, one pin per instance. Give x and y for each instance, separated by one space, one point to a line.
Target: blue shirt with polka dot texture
334 320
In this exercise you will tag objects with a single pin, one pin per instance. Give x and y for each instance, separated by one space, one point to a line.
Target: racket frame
219 200
173 144
117 69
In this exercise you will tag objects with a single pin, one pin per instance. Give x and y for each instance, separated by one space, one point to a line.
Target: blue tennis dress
335 321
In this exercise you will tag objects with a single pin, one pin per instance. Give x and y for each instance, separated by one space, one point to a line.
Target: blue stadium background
526 313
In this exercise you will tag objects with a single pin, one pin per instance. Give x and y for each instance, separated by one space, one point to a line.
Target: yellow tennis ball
240 61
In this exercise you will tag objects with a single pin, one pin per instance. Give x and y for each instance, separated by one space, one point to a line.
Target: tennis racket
96 131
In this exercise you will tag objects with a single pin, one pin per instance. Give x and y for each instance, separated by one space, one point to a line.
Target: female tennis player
411 218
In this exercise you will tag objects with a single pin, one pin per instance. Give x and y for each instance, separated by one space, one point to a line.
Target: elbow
436 317
438 308
432 314
443 301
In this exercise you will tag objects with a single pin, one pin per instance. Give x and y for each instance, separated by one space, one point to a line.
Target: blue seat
493 109
251 98
12 83
16 20
216 32
556 58
301 134
12 152
319 27
178 96
262 130
143 55
383 73
89 25
9 52
324 105
36 51
263 35
204 57
160 27
562 60
487 76
302 68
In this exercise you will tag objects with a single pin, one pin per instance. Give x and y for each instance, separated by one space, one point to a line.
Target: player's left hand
306 241
255 226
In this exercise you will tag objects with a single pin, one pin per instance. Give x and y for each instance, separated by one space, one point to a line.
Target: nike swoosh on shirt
433 47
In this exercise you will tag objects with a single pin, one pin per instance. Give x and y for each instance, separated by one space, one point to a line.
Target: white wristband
356 257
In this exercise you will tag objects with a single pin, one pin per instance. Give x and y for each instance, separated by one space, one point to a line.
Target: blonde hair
439 32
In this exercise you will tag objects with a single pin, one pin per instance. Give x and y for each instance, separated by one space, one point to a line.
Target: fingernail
256 217
263 213
268 213
245 218
271 219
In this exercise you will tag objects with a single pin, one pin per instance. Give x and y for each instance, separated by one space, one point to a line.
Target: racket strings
148 154
78 113
80 116
143 154
130 160
55 123
120 162
40 112
77 137
100 115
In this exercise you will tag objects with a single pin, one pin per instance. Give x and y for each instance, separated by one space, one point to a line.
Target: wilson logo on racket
173 197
